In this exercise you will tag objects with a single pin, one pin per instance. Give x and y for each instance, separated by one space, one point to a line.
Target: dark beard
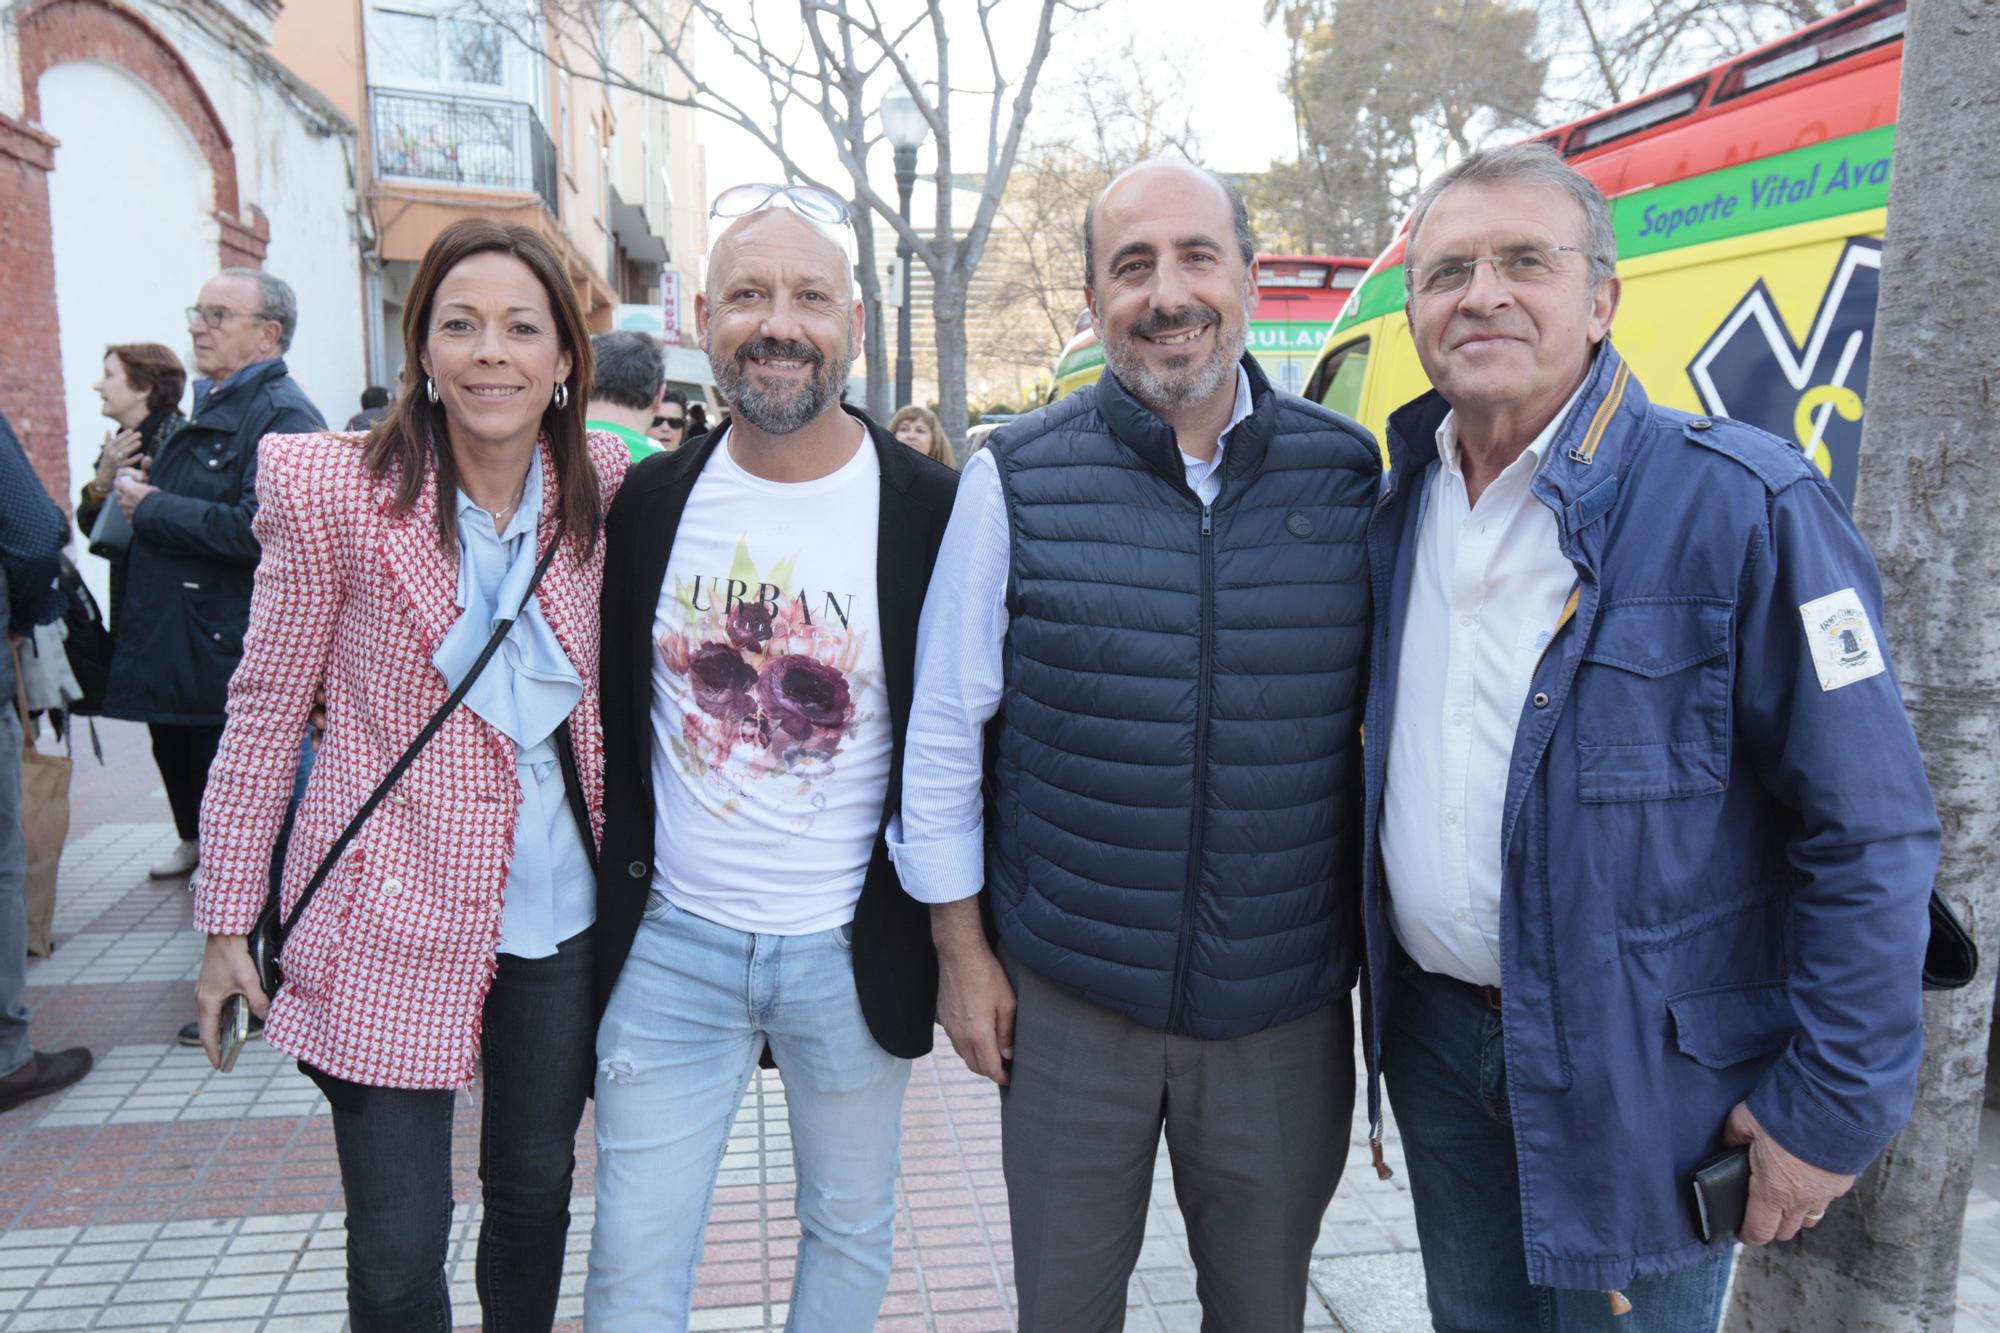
1185 380
780 410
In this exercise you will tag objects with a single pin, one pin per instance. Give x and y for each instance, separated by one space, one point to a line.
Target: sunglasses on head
808 201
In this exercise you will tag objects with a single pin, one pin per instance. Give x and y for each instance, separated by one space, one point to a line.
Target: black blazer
895 966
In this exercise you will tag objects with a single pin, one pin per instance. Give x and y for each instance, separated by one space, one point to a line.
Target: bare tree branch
834 69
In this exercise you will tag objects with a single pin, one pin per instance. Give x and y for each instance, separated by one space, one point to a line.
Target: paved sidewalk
158 1194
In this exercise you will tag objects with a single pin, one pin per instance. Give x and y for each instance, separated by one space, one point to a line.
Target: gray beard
780 410
1178 386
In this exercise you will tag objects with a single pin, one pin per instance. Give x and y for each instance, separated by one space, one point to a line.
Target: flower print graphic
675 651
750 625
721 681
772 672
802 696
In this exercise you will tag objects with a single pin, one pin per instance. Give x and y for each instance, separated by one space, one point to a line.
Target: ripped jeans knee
618 1068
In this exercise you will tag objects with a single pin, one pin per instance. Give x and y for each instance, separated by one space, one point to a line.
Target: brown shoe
44 1073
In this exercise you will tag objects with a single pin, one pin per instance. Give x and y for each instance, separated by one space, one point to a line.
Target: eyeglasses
671 423
213 315
1517 266
808 201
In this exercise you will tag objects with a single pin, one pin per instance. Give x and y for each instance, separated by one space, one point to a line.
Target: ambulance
1749 203
1298 297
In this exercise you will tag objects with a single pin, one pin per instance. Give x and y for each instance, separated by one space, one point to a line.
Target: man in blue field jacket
1649 841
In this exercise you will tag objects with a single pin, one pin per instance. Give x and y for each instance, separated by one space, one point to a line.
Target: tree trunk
875 350
948 321
1886 1257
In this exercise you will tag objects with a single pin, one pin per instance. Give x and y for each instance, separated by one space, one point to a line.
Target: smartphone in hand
235 1031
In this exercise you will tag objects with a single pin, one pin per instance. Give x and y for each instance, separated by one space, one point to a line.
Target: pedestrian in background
697 421
192 554
454 937
669 428
141 391
1157 586
375 400
32 533
919 427
631 375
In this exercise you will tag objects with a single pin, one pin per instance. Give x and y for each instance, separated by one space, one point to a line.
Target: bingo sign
670 307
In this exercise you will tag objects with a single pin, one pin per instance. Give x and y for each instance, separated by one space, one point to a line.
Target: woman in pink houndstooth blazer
453 936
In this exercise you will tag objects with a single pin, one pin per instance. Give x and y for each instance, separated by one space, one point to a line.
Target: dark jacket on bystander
186 594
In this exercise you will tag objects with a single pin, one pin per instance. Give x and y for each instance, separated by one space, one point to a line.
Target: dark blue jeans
1445 1065
538 1053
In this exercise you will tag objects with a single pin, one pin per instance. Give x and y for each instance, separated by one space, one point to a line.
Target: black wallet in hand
1722 1193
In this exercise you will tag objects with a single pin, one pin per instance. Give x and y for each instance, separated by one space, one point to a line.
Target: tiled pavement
158 1194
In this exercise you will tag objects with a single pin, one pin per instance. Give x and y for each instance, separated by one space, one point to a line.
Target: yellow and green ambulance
1749 203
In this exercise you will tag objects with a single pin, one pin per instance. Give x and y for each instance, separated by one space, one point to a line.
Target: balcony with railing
471 141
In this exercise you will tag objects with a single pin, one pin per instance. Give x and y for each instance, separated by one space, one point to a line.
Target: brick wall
50 33
56 31
31 388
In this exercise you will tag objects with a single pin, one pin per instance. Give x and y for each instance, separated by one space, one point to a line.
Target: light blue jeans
691 1012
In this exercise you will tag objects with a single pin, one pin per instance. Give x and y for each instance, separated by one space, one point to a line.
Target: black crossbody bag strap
402 765
573 788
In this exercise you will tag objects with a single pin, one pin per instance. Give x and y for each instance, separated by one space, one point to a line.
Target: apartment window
431 48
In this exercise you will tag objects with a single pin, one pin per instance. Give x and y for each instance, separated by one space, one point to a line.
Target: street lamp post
904 123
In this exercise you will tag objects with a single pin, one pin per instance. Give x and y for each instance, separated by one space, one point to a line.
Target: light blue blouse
525 692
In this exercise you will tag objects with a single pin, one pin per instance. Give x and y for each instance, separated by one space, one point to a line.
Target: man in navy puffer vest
1159 589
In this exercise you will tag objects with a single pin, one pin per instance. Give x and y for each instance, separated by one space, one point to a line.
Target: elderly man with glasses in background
1649 844
191 554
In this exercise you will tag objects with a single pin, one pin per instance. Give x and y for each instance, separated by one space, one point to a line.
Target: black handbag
1951 959
86 642
267 937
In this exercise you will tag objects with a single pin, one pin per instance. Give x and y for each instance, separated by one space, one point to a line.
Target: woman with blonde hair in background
920 428
453 936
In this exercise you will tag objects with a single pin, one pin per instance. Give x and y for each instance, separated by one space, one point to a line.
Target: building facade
658 170
143 146
466 111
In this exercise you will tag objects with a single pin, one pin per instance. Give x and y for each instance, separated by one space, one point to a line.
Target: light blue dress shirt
525 692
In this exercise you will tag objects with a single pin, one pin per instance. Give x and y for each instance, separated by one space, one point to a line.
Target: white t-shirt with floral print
771 721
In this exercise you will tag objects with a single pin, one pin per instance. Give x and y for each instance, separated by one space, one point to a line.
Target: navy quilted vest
1176 826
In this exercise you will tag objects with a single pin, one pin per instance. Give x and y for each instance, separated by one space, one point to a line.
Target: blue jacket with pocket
1718 842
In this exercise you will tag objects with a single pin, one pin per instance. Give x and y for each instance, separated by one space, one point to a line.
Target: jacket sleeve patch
1842 639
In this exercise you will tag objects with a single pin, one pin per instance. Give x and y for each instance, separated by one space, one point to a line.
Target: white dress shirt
940 848
1489 585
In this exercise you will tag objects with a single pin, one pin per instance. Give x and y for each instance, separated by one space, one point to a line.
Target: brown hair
401 442
940 447
154 369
